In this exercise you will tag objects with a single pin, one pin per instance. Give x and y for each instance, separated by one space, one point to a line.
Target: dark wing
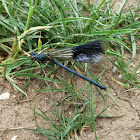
88 52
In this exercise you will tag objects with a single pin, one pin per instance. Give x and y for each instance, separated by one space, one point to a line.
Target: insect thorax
42 57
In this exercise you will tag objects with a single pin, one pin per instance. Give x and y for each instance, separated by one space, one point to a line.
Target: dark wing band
88 52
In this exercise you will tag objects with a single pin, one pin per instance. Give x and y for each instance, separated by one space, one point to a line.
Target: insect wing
61 53
89 52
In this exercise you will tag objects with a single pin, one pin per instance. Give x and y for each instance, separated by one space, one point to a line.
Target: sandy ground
16 113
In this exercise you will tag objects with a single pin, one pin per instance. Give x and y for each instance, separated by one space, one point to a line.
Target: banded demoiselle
89 52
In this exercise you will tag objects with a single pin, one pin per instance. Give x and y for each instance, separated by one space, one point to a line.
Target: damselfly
89 52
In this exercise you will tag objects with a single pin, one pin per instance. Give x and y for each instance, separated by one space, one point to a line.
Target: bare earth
16 113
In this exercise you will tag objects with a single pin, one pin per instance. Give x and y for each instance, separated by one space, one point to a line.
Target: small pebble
14 138
97 94
120 76
4 96
56 103
136 135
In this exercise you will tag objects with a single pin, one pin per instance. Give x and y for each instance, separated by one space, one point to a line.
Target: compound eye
33 54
